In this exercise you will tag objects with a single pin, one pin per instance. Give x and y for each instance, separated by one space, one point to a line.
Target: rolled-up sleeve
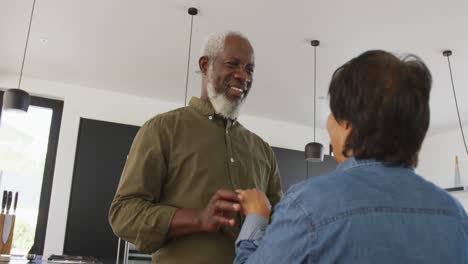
253 228
136 214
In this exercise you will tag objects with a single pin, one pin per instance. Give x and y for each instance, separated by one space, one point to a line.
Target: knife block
5 246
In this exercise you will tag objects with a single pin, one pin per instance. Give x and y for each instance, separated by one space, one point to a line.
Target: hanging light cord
26 46
188 61
456 104
315 84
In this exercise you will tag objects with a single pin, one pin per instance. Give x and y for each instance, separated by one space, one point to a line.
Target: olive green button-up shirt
179 159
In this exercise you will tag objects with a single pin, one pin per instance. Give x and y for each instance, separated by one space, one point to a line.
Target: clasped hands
225 202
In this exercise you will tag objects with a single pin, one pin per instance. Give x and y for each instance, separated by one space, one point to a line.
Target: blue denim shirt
363 212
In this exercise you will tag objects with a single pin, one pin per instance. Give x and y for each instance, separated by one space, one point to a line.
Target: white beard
220 102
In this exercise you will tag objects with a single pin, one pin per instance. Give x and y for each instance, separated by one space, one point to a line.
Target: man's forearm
185 222
141 222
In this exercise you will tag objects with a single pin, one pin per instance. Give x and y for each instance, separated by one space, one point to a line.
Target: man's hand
188 221
216 213
254 201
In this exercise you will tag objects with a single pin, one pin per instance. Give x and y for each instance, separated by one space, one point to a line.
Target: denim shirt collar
352 162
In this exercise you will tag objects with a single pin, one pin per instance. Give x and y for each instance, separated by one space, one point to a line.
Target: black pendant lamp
448 53
192 11
16 98
314 150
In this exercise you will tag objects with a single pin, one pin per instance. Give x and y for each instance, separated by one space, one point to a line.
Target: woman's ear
346 127
203 63
345 124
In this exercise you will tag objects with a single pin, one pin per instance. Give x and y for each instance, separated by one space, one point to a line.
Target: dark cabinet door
101 152
294 168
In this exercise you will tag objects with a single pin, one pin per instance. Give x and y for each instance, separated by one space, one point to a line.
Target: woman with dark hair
373 208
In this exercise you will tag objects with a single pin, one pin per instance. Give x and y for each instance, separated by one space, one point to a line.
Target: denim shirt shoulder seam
303 216
293 202
378 209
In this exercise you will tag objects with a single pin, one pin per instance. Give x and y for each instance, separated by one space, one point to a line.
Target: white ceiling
140 47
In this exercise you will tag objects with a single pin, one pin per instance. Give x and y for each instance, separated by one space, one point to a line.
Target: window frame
49 167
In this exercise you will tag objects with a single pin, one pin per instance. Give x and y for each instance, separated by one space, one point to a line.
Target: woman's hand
254 201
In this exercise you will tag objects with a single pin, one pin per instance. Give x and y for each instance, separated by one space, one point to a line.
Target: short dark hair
386 101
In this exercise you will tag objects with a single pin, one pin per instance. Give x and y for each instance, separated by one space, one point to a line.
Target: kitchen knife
4 201
8 206
15 203
7 228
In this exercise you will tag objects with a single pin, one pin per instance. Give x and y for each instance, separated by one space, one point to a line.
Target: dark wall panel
100 157
294 168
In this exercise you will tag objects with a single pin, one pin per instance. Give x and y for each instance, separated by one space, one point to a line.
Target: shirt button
210 117
232 160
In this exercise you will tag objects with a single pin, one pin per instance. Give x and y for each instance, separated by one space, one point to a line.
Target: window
28 147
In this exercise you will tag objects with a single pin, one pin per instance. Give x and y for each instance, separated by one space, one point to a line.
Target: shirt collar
352 162
203 107
206 108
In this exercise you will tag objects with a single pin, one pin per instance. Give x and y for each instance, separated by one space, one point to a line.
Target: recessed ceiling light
44 40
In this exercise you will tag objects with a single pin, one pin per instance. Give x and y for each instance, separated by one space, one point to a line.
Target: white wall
127 109
437 160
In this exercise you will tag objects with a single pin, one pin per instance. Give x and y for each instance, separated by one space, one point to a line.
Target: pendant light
16 98
448 53
192 11
314 150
